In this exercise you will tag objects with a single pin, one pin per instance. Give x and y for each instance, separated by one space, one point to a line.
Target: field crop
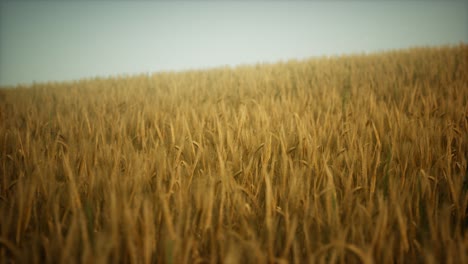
352 159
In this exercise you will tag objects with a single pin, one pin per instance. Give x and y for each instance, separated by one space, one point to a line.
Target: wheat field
351 159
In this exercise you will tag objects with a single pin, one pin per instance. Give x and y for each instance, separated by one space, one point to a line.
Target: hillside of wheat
351 159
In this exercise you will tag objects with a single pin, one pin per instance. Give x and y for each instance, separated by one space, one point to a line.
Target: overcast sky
54 41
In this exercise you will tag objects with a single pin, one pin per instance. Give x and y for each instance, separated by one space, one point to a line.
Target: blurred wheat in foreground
356 159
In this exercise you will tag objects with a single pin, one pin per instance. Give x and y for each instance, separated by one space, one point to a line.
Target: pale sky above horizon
44 41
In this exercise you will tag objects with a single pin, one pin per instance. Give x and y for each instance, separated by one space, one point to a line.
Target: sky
43 41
